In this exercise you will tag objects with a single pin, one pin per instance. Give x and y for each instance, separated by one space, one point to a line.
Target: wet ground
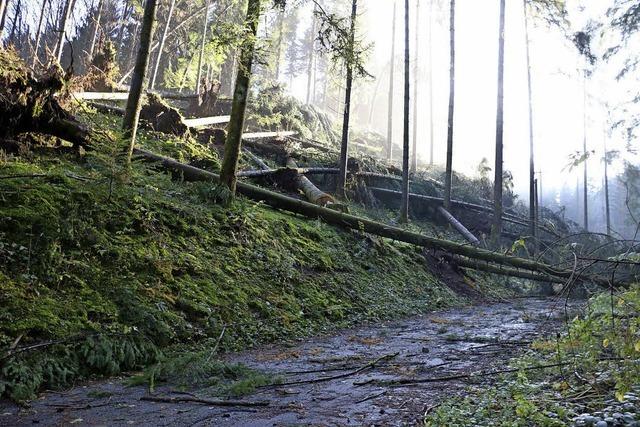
358 377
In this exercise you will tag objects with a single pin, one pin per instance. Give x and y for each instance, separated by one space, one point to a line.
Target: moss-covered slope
117 266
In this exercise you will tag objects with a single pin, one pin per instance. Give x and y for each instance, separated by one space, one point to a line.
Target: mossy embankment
106 269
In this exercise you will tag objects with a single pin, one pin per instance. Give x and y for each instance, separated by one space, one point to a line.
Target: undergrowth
104 270
597 359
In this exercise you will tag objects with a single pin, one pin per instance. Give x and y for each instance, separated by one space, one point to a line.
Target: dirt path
439 344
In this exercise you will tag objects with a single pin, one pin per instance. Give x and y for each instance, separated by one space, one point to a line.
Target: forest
320 212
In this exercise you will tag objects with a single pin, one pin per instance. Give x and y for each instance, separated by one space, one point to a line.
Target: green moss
85 253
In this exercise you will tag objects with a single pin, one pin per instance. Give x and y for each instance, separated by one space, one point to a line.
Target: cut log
267 135
301 171
503 271
257 160
455 203
206 121
281 201
458 226
311 192
101 96
106 108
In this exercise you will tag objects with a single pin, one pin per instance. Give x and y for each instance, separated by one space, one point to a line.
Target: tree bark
279 44
36 48
203 41
163 40
452 76
134 102
344 146
311 192
96 30
532 200
496 230
459 226
414 148
392 66
311 55
404 204
430 82
4 6
585 182
606 187
62 30
504 271
234 137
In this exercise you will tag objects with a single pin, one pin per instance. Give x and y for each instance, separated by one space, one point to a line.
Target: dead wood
458 226
161 117
363 368
211 402
204 104
311 192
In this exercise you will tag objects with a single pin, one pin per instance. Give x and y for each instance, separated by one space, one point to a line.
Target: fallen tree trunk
257 160
280 201
311 192
301 171
504 271
458 226
456 203
206 121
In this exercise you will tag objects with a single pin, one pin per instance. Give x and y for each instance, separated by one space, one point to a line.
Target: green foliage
601 350
127 263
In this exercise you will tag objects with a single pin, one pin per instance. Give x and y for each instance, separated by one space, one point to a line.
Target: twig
373 396
336 377
212 402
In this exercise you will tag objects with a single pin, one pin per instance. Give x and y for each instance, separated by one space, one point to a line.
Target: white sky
557 86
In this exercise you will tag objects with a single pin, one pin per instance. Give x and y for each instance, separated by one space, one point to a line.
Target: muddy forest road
331 380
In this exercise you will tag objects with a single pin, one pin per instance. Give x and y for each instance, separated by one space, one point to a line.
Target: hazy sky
557 86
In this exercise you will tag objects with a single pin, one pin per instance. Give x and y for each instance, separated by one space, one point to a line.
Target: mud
439 344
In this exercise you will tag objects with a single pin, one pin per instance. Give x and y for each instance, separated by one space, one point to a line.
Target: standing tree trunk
404 205
311 55
430 82
202 44
606 186
532 209
96 30
392 66
279 43
36 47
233 143
414 148
344 147
163 40
134 102
4 6
497 183
452 78
62 30
585 191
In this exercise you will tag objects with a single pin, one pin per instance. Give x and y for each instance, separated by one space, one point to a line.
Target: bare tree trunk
202 44
311 55
4 6
14 26
279 45
62 30
163 39
448 178
414 148
532 212
392 66
344 147
123 23
36 48
497 183
404 203
430 82
606 187
233 143
96 30
585 191
134 102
